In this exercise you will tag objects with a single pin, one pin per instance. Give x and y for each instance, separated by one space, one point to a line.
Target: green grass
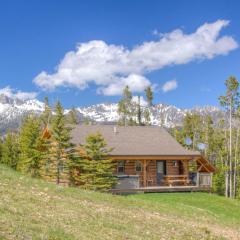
33 209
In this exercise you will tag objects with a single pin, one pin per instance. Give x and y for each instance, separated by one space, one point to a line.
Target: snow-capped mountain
160 114
13 110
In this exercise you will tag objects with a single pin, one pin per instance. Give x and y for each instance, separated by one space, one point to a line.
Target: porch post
197 179
144 173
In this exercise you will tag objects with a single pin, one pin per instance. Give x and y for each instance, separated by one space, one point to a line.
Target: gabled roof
134 140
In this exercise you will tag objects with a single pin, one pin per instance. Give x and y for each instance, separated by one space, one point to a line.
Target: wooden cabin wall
171 169
175 170
130 169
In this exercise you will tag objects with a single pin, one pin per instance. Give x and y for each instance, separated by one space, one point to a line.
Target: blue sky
102 45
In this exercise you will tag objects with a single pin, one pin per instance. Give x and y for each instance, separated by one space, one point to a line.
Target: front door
161 171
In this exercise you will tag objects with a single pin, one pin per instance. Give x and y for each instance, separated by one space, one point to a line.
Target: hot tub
127 182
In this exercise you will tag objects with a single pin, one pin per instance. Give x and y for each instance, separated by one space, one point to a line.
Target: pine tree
62 149
139 111
72 116
47 113
192 128
149 95
97 167
147 118
126 109
75 167
10 150
30 146
218 151
208 136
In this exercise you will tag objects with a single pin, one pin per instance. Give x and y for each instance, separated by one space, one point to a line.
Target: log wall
151 171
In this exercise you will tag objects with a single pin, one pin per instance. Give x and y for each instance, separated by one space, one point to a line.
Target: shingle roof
133 140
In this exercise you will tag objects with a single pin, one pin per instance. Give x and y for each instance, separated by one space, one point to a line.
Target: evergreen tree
97 167
30 142
72 116
179 135
218 152
147 119
62 149
139 111
192 128
149 95
47 113
126 108
208 137
10 150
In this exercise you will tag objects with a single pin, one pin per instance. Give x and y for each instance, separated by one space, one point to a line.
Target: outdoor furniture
172 179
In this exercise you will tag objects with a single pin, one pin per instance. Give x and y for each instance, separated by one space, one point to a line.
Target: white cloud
111 67
169 86
17 94
136 82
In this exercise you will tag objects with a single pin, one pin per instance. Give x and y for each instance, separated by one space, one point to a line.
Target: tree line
42 148
218 141
132 113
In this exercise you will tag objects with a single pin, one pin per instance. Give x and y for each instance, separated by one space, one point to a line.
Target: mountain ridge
12 111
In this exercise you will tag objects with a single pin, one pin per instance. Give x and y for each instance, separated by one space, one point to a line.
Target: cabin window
175 163
121 167
138 166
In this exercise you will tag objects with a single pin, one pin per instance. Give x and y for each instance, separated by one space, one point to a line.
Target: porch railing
204 179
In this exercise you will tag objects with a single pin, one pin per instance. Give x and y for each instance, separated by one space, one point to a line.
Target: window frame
121 164
136 166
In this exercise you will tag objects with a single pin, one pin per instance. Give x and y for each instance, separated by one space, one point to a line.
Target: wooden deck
163 189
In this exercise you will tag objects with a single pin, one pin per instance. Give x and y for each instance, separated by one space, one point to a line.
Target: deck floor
163 189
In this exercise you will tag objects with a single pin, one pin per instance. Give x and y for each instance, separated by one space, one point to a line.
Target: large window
121 167
138 166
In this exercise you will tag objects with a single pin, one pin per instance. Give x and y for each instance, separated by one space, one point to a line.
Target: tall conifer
30 146
10 150
62 149
126 108
47 113
149 95
97 167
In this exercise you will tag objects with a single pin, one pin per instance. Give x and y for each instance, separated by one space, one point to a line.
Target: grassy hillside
33 209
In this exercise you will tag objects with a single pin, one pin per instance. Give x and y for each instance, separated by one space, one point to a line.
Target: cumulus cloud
169 86
111 67
136 82
17 94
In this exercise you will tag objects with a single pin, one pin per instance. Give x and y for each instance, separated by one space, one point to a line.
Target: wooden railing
204 179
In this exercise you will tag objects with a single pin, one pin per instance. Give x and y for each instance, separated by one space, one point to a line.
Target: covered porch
162 174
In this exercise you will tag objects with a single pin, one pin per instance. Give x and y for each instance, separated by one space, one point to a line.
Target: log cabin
149 159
